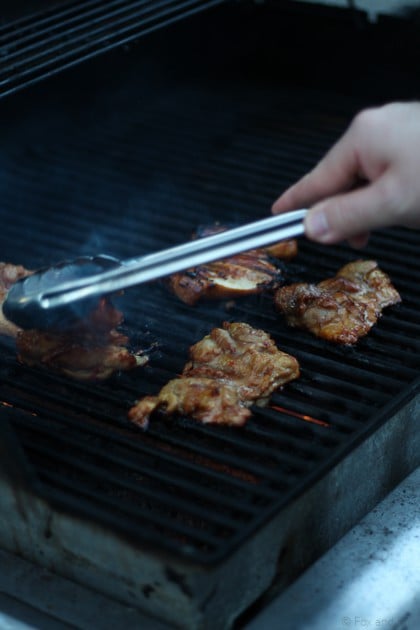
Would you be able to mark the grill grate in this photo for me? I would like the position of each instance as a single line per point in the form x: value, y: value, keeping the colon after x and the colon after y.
x: 46, y: 43
x: 99, y: 176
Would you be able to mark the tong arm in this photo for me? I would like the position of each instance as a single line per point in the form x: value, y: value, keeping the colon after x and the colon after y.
x: 153, y: 266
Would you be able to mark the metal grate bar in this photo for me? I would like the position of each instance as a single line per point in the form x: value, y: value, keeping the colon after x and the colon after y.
x: 62, y: 18
x: 77, y: 41
x: 37, y: 19
x: 188, y: 466
x: 117, y: 484
x: 85, y: 24
x: 154, y: 524
x: 158, y: 482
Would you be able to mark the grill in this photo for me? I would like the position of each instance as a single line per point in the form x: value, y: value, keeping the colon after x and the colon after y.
x: 125, y: 157
x: 42, y: 44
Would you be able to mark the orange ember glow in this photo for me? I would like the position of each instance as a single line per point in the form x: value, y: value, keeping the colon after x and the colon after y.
x: 7, y: 404
x: 301, y: 416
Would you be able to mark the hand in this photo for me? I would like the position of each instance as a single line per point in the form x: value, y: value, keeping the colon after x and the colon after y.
x: 381, y: 148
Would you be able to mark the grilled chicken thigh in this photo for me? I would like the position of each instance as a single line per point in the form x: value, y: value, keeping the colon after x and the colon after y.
x: 9, y: 274
x: 340, y: 309
x: 243, y: 274
x: 91, y: 350
x: 229, y: 369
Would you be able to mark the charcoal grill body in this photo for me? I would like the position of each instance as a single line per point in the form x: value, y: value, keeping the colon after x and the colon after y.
x: 193, y: 523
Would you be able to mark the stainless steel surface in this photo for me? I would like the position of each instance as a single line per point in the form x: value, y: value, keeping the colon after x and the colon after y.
x: 369, y: 579
x: 34, y: 296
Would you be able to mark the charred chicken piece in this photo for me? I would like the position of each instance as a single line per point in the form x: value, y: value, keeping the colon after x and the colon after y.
x: 229, y: 370
x: 341, y: 309
x: 243, y: 274
x: 91, y: 350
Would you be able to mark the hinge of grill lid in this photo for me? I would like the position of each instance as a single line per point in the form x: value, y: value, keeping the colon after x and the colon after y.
x: 46, y: 43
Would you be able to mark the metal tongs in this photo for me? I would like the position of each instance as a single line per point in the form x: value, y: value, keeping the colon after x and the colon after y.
x: 57, y: 295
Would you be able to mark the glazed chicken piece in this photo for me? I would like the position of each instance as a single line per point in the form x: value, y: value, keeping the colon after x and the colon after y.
x: 91, y: 350
x: 243, y: 274
x: 341, y: 309
x: 229, y: 370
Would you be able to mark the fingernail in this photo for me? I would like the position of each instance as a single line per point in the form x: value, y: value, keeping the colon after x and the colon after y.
x: 316, y: 224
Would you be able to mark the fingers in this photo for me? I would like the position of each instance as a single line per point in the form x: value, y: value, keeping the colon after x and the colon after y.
x: 354, y: 214
x: 381, y: 148
x: 336, y: 172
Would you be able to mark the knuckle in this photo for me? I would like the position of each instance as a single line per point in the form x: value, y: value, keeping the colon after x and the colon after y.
x: 367, y: 120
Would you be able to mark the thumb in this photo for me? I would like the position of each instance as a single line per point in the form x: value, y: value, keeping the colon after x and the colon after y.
x: 353, y: 213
